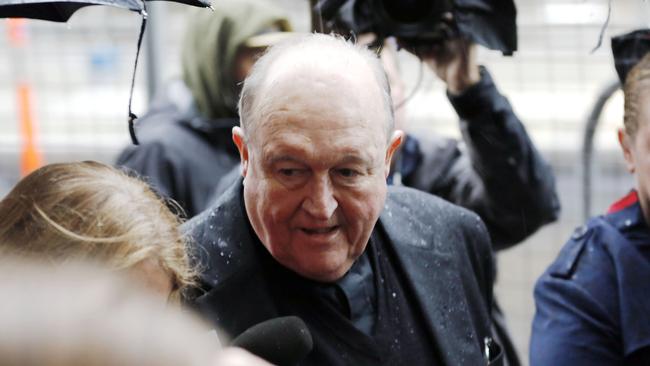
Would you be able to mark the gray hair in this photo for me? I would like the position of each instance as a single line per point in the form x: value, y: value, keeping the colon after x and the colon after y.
x: 249, y: 109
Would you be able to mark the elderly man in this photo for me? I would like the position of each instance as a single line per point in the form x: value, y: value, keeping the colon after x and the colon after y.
x: 381, y: 276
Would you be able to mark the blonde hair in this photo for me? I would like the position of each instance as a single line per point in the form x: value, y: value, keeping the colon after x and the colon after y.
x: 635, y: 84
x: 79, y: 315
x: 91, y: 211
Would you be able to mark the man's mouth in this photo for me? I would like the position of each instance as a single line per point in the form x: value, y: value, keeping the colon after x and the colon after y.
x: 323, y: 230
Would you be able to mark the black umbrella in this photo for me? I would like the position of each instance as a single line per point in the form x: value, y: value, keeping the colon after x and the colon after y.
x: 57, y: 11
x: 62, y: 10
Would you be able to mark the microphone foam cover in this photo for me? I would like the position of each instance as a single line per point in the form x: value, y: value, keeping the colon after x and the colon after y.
x: 281, y: 341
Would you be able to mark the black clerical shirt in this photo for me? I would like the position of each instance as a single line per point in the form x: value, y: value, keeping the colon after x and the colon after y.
x: 355, y: 295
x: 368, y: 317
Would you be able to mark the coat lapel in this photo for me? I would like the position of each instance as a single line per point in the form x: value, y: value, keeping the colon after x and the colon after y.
x: 237, y: 294
x: 431, y: 266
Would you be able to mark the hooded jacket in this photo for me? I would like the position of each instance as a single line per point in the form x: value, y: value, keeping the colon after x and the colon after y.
x: 185, y: 137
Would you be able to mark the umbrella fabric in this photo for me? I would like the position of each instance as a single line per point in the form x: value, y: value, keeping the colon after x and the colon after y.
x: 58, y: 11
x: 62, y: 10
x: 198, y: 3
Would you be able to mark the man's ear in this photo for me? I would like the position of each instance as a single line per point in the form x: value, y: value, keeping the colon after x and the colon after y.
x: 393, y: 144
x: 240, y: 142
x: 627, y: 143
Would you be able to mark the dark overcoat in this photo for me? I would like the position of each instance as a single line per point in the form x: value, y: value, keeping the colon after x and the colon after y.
x: 443, y: 251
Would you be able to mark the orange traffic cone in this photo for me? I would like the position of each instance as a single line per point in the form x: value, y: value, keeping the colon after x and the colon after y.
x: 30, y: 156
x: 16, y: 31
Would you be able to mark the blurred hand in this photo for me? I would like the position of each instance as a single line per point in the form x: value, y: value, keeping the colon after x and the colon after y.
x: 234, y: 356
x: 454, y: 61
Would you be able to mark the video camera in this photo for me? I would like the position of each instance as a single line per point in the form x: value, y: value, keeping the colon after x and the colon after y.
x: 417, y: 23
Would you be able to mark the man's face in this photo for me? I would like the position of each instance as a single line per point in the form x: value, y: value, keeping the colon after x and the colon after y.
x: 636, y: 150
x: 315, y: 169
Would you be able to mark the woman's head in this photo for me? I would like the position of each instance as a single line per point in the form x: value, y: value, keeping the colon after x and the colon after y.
x: 636, y: 88
x: 635, y: 136
x: 91, y: 211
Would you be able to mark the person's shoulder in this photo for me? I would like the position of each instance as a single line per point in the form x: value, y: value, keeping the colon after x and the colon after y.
x: 592, y: 288
x: 628, y: 219
x: 433, y: 148
x: 584, y: 270
x: 602, y: 242
x: 160, y: 125
x: 410, y: 197
x: 215, y: 219
x: 158, y: 139
x: 430, y: 219
x: 167, y: 137
x: 427, y: 227
x: 601, y: 255
x: 219, y: 239
x: 170, y: 107
x: 583, y: 295
x: 585, y: 249
x: 166, y: 119
x: 420, y: 205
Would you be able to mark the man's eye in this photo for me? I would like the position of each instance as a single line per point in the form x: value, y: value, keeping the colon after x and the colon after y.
x: 289, y: 172
x: 348, y: 173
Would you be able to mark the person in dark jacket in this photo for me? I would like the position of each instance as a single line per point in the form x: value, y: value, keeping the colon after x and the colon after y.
x: 185, y: 138
x: 495, y: 170
x: 592, y: 302
x: 381, y: 276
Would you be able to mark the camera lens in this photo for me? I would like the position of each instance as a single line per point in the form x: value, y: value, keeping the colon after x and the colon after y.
x: 408, y: 11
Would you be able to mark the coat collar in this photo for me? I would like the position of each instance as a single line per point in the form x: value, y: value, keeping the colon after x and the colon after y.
x: 226, y: 251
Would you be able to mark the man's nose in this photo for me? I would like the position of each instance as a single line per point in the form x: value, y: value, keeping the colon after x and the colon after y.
x: 320, y: 202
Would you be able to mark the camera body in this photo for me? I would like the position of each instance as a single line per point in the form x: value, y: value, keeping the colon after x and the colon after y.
x: 491, y: 23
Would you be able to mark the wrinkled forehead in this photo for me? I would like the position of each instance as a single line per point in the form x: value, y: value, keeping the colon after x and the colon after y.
x: 328, y: 83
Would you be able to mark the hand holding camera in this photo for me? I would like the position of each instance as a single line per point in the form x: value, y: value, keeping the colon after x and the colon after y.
x: 454, y: 61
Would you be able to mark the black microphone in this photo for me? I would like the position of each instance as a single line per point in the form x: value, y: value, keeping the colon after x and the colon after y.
x: 282, y: 341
